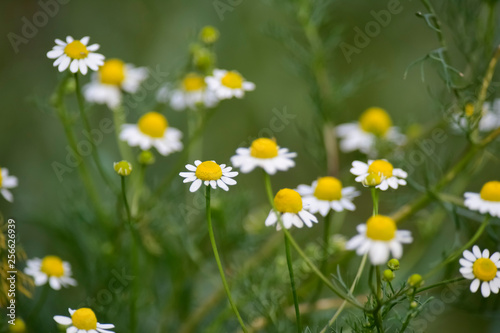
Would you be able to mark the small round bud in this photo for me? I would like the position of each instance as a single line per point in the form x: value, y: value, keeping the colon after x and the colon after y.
x: 413, y: 305
x: 393, y: 264
x: 123, y: 168
x: 388, y: 275
x: 209, y: 34
x: 146, y: 157
x: 415, y: 280
x: 203, y: 59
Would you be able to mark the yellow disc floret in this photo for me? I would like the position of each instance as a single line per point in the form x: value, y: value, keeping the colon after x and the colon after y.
x: 193, y: 82
x: 376, y: 121
x: 381, y: 168
x: 76, y: 50
x: 84, y: 319
x: 328, y: 188
x: 153, y: 124
x: 264, y: 148
x: 232, y: 80
x: 491, y: 191
x: 484, y: 269
x: 381, y: 228
x: 112, y: 72
x: 52, y: 266
x: 208, y: 170
x: 288, y: 201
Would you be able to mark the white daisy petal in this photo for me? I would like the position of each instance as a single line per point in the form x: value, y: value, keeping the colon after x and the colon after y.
x: 195, y: 185
x: 485, y: 289
x: 474, y: 286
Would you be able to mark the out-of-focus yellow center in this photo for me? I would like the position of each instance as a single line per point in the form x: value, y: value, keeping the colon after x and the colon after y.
x: 193, y: 82
x: 264, y: 148
x: 376, y: 121
x: 76, y: 50
x: 1, y: 177
x: 232, y: 80
x: 469, y: 109
x: 484, y: 269
x: 328, y: 188
x: 372, y: 179
x: 381, y: 228
x: 208, y: 170
x: 84, y: 319
x: 491, y: 191
x: 381, y: 168
x: 112, y: 72
x: 153, y: 124
x: 288, y: 201
x: 52, y: 266
x: 18, y: 327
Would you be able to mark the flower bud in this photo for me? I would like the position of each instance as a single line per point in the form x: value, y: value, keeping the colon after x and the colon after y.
x: 415, y: 280
x: 413, y: 305
x: 209, y: 34
x: 393, y: 264
x: 146, y: 157
x: 388, y: 275
x: 123, y: 168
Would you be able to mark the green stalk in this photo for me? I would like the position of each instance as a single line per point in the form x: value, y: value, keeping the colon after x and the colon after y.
x: 292, y: 281
x: 119, y: 121
x: 41, y: 301
x: 375, y: 193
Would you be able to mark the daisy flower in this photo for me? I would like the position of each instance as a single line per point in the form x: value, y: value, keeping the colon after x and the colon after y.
x: 374, y: 123
x: 113, y: 78
x: 51, y: 269
x: 7, y: 182
x: 76, y: 55
x: 489, y: 121
x: 378, y: 173
x: 83, y: 320
x: 379, y: 237
x: 209, y: 173
x: 327, y: 193
x: 482, y: 269
x: 227, y: 84
x: 152, y: 130
x: 264, y: 153
x: 487, y: 201
x: 289, y: 209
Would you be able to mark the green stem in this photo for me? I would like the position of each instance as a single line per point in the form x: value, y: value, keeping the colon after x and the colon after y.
x: 375, y: 193
x: 379, y: 282
x: 440, y: 284
x: 292, y: 282
x: 119, y: 121
x: 125, y: 202
x: 217, y: 259
x: 41, y: 301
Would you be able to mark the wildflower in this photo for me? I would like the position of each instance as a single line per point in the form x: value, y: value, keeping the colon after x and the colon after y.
x: 264, y: 153
x: 123, y: 168
x: 191, y: 93
x: 327, y: 193
x: 83, y: 320
x: 288, y: 204
x: 7, y: 182
x: 482, y: 269
x: 378, y: 173
x: 486, y: 201
x: 111, y: 80
x: 152, y: 130
x: 374, y: 123
x: 76, y: 55
x: 490, y: 118
x: 51, y: 269
x: 209, y: 173
x: 228, y: 84
x: 379, y: 237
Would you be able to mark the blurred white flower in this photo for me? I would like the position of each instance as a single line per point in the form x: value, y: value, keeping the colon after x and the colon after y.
x: 378, y: 173
x: 7, y: 182
x: 83, y: 320
x: 487, y: 201
x: 227, y: 84
x: 50, y: 269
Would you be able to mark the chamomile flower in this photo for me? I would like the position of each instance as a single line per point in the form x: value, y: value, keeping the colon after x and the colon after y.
x: 486, y: 201
x: 289, y: 209
x: 482, y: 269
x: 378, y: 173
x: 489, y: 121
x: 76, y: 55
x: 327, y: 193
x: 112, y: 78
x: 51, y: 269
x: 379, y: 237
x: 227, y: 84
x: 152, y: 130
x: 374, y: 123
x: 264, y: 153
x: 83, y: 320
x: 210, y: 174
x: 7, y: 182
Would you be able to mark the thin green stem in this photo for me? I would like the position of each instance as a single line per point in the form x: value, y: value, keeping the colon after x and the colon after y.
x: 375, y: 193
x: 119, y: 121
x: 379, y: 282
x: 217, y: 259
x: 41, y: 301
x: 440, y: 284
x: 292, y: 282
x: 125, y: 202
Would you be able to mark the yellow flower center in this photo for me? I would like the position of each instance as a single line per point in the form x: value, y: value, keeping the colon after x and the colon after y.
x: 76, y: 50
x: 112, y: 72
x: 469, y: 109
x: 376, y: 121
x: 208, y: 170
x: 84, y: 319
x: 328, y: 188
x: 232, y: 80
x: 193, y: 82
x: 484, y: 269
x: 288, y: 201
x: 52, y: 266
x: 381, y: 228
x: 491, y: 191
x: 380, y: 168
x: 153, y: 124
x: 372, y: 179
x: 264, y: 148
x: 1, y: 177
x: 18, y: 327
